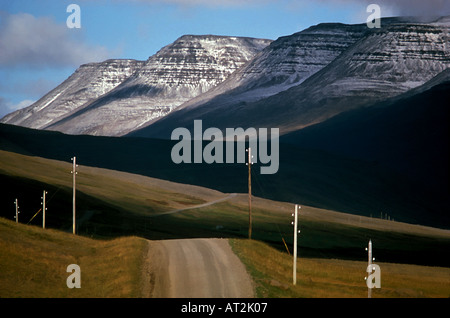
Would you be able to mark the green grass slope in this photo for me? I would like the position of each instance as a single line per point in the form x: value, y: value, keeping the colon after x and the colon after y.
x: 112, y: 204
x: 312, y: 177
x: 33, y: 263
x: 322, y: 278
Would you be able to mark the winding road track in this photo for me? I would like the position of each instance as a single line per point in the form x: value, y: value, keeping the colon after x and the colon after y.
x: 231, y: 195
x: 195, y: 268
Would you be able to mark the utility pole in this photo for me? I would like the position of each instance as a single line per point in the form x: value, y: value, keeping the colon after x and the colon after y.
x: 17, y: 211
x: 249, y: 150
x: 295, y: 223
x: 373, y: 271
x: 369, y: 253
x: 43, y: 208
x: 74, y: 173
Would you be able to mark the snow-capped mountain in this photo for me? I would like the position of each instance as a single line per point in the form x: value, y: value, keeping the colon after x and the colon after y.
x: 86, y: 84
x: 383, y: 63
x: 286, y: 62
x: 180, y: 71
x: 290, y: 83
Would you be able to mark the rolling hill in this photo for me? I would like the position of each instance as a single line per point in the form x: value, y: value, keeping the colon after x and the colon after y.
x: 408, y: 133
x: 311, y: 177
x: 114, y: 204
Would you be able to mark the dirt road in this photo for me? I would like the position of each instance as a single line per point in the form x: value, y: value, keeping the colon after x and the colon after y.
x: 195, y: 268
x: 231, y: 195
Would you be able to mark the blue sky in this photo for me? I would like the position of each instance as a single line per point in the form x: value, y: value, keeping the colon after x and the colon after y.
x: 38, y: 51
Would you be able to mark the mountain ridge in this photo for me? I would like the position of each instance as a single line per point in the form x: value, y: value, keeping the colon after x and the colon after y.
x: 381, y: 64
x: 292, y: 82
x: 183, y: 69
x: 88, y: 82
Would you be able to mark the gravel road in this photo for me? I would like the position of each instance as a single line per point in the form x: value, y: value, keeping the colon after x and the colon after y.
x: 195, y: 268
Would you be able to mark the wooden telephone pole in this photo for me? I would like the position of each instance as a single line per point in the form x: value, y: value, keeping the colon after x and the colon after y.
x: 43, y: 208
x: 249, y: 150
x: 74, y: 173
x: 369, y: 254
x: 16, y: 203
x: 295, y: 223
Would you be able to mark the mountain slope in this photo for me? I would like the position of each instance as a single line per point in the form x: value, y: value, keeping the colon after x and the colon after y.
x: 382, y: 64
x: 182, y: 70
x: 86, y: 84
x: 311, y: 177
x: 34, y: 263
x: 284, y: 63
x: 408, y: 133
x: 117, y: 96
x: 106, y: 209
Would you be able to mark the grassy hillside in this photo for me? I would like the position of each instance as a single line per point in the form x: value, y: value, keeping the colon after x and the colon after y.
x: 33, y: 263
x: 324, y: 234
x: 408, y: 133
x: 109, y: 203
x: 272, y: 273
x: 312, y: 177
x: 112, y: 204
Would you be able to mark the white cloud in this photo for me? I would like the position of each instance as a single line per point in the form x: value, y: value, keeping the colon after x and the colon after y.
x: 211, y: 3
x: 29, y: 41
x: 7, y: 107
x: 21, y: 104
x: 398, y: 7
x: 403, y: 7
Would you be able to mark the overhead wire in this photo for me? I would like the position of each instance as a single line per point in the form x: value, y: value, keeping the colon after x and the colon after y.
x: 263, y: 192
x: 46, y: 202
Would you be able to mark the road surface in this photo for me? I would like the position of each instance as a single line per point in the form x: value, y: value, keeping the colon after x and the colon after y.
x: 195, y: 268
x: 231, y: 195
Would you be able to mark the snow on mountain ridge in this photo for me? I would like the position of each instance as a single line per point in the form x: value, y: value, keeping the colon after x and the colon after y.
x: 87, y: 83
x: 178, y: 72
x: 285, y: 63
x: 381, y: 64
x: 326, y: 65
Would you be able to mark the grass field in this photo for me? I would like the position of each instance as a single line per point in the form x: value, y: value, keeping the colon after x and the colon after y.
x: 112, y: 204
x: 33, y: 263
x: 324, y: 234
x: 142, y: 195
x: 117, y: 211
x: 321, y: 278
